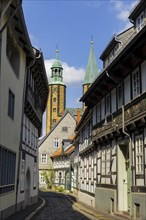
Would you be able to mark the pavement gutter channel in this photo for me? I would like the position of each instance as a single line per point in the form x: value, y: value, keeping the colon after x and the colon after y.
x: 29, y: 217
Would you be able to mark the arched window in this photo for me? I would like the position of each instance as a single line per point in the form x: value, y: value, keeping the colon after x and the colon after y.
x: 54, y: 121
x: 54, y: 109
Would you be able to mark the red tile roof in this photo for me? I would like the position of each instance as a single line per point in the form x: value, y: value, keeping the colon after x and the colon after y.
x: 68, y: 151
x: 57, y: 153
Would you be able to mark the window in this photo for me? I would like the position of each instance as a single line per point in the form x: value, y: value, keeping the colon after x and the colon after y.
x: 98, y: 113
x: 7, y: 170
x: 139, y: 154
x: 54, y: 99
x: 120, y: 95
x: 44, y: 158
x: 54, y: 109
x: 94, y: 115
x: 54, y: 121
x: 136, y: 83
x: 13, y: 54
x: 111, y: 55
x: 11, y: 104
x: 116, y: 48
x: 107, y: 104
x: 106, y: 161
x: 56, y: 142
x: 42, y: 179
x: 64, y: 129
x: 140, y: 22
x: 106, y: 62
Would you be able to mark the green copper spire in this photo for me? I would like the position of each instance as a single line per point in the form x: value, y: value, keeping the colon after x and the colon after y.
x: 57, y: 71
x: 92, y: 69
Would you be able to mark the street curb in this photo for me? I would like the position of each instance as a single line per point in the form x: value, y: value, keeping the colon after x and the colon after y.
x: 77, y: 205
x: 88, y: 211
x: 36, y: 210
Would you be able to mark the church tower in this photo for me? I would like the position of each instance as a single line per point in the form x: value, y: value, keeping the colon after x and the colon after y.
x: 57, y: 95
x: 91, y: 71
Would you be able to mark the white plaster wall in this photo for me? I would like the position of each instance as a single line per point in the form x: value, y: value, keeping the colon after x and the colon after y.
x: 139, y: 198
x: 85, y: 198
x: 103, y: 198
x: 10, y: 129
x: 29, y: 164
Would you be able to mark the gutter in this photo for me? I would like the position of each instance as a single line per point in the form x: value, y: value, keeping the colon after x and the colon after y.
x: 111, y: 77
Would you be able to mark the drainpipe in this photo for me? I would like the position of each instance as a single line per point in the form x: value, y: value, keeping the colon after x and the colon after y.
x: 130, y: 155
x: 111, y: 77
x: 21, y: 133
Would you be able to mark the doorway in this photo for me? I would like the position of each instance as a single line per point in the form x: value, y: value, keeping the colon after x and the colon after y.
x: 123, y: 178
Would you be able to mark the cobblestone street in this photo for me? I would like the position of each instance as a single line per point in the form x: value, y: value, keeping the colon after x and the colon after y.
x: 60, y: 208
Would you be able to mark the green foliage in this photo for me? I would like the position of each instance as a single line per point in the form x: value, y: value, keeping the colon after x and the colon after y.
x: 49, y: 176
x: 61, y: 189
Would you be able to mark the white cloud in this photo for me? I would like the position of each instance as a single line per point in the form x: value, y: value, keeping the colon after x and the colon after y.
x: 122, y: 9
x: 71, y: 74
x: 93, y: 4
x: 77, y: 101
x: 34, y: 41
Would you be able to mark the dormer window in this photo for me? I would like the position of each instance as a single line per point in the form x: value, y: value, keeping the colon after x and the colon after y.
x: 116, y: 48
x: 111, y: 55
x: 140, y: 22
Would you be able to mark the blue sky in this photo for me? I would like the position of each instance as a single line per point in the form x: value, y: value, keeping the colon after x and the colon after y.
x: 70, y: 25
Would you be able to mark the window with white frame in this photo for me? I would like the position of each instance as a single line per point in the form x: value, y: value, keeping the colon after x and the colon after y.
x: 107, y: 103
x: 42, y: 179
x: 105, y: 161
x: 135, y: 83
x: 111, y: 55
x: 140, y: 22
x: 44, y: 158
x: 106, y: 62
x: 116, y: 48
x: 139, y: 154
x: 56, y: 142
x: 120, y: 95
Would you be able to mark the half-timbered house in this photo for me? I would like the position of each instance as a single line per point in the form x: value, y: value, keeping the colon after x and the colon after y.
x: 117, y: 99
